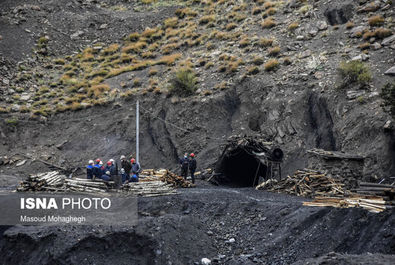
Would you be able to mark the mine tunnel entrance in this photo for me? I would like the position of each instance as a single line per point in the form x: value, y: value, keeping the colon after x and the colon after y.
x: 245, y: 161
x: 243, y: 169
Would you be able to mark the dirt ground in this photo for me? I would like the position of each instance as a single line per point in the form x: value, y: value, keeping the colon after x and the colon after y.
x: 225, y: 225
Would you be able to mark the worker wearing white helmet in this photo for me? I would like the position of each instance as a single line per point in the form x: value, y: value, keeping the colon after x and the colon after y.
x: 89, y: 169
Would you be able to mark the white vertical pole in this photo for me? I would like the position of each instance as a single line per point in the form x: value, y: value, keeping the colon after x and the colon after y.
x: 137, y: 131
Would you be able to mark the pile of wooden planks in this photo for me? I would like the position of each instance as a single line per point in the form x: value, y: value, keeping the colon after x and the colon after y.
x: 165, y: 176
x: 375, y: 204
x: 306, y: 183
x: 49, y: 181
x: 149, y: 188
x: 368, y: 188
x: 175, y: 180
x: 151, y: 183
x: 87, y: 185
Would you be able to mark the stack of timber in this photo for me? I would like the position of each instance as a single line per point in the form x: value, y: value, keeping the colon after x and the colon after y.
x: 306, y: 183
x: 165, y: 176
x: 175, y: 180
x: 375, y: 204
x: 368, y: 188
x: 87, y: 185
x: 149, y: 188
x: 49, y: 181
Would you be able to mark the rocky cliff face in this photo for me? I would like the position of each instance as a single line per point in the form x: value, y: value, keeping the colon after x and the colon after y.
x: 228, y: 44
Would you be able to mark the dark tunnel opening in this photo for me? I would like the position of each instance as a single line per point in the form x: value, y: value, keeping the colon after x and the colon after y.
x: 242, y: 169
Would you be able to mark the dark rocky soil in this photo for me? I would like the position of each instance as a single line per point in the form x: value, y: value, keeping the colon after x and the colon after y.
x: 228, y: 226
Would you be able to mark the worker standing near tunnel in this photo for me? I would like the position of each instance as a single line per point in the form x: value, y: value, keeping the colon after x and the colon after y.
x: 192, y: 166
x: 184, y: 166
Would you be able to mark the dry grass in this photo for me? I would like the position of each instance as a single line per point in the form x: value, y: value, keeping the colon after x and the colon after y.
x: 167, y: 49
x: 169, y: 59
x: 350, y: 25
x: 271, y: 65
x: 256, y: 10
x: 98, y: 90
x: 244, y: 42
x: 265, y: 42
x: 376, y: 21
x: 293, y: 26
x: 364, y: 46
x: 257, y: 60
x: 268, y: 23
x: 153, y: 71
x: 231, y: 26
x: 134, y: 36
x: 135, y: 47
x: 171, y: 22
x: 252, y: 70
x: 113, y: 48
x: 207, y: 19
x: 274, y: 51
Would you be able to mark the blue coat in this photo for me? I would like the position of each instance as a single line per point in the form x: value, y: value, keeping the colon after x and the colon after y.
x: 89, y: 171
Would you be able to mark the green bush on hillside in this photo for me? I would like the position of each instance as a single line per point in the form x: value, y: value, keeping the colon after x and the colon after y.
x: 354, y: 73
x: 183, y: 83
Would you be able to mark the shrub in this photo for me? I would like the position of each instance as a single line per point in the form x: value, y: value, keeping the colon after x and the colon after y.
x: 256, y: 10
x: 268, y: 23
x: 207, y: 19
x: 350, y: 25
x: 134, y: 36
x: 231, y: 26
x: 376, y: 21
x: 152, y: 71
x: 257, y: 60
x: 113, y: 48
x: 388, y: 94
x: 169, y: 59
x: 171, y: 22
x: 354, y: 72
x: 293, y: 26
x: 271, y: 65
x: 274, y: 51
x: 244, y: 42
x: 183, y: 83
x: 264, y: 42
x: 382, y: 33
x: 253, y: 70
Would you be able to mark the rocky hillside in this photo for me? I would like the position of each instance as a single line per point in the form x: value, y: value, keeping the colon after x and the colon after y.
x: 305, y: 74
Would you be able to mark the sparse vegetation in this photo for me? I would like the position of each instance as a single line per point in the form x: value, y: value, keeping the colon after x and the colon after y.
x: 354, y: 72
x: 252, y: 70
x: 376, y: 21
x: 271, y: 65
x: 268, y: 23
x: 183, y: 82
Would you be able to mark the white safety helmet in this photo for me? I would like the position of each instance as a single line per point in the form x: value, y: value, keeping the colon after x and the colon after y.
x: 122, y: 157
x: 108, y: 173
x: 112, y: 160
x: 91, y: 162
x: 122, y: 171
x: 101, y: 163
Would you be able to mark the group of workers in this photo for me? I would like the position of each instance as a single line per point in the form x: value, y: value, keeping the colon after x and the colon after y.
x: 188, y: 163
x: 129, y: 170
